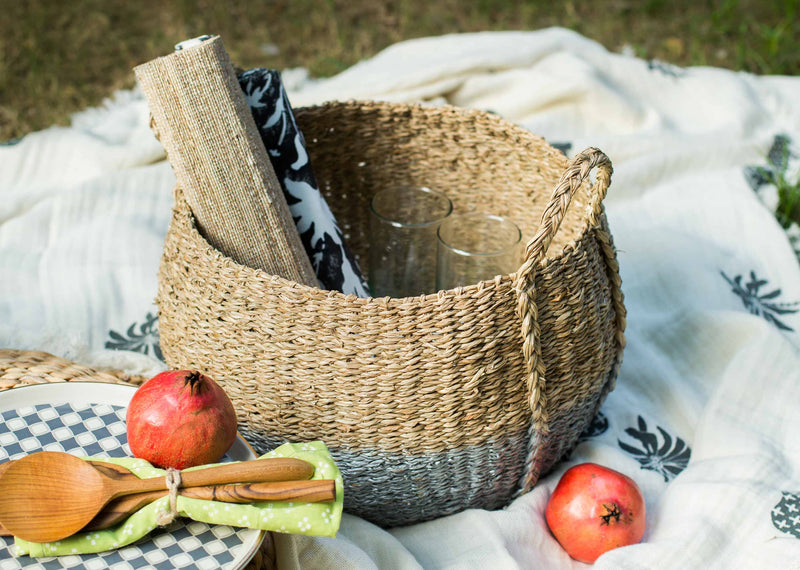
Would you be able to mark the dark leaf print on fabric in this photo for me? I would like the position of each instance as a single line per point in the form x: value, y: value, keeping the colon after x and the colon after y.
x: 758, y: 176
x: 786, y: 514
x: 564, y: 147
x: 777, y: 162
x: 597, y: 427
x: 666, y: 68
x: 668, y: 456
x: 145, y: 340
x: 780, y: 152
x: 762, y: 304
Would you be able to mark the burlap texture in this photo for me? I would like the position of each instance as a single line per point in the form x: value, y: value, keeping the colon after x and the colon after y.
x: 202, y: 119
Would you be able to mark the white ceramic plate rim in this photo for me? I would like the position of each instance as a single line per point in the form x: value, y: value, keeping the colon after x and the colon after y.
x: 117, y: 395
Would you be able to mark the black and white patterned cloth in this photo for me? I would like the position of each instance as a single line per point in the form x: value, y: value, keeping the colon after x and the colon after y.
x: 333, y: 263
x: 99, y: 430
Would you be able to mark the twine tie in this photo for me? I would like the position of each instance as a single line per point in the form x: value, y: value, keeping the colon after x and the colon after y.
x: 173, y: 478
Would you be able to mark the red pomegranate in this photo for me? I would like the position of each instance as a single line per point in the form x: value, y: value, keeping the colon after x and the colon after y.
x: 180, y: 419
x: 594, y: 509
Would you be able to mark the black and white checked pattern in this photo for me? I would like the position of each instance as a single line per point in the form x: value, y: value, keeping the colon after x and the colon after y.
x: 99, y: 430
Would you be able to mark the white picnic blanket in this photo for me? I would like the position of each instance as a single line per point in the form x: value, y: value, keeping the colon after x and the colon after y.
x: 706, y: 413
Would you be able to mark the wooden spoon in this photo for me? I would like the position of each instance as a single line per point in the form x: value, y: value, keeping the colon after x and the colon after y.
x: 50, y: 495
x: 315, y: 491
x: 117, y: 510
x: 110, y: 469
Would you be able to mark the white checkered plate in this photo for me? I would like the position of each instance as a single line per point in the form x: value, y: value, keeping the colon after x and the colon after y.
x: 88, y: 418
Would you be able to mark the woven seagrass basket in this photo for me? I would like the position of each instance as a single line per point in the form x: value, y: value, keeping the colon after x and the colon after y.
x: 430, y: 404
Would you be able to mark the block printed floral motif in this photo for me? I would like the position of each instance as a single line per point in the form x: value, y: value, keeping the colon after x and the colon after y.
x: 138, y: 338
x: 763, y: 304
x: 666, y: 455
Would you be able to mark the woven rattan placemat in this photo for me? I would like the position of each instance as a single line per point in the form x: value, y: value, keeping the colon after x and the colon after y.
x: 25, y: 367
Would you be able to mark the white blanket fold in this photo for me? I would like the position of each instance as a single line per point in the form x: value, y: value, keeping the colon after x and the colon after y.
x: 705, y: 415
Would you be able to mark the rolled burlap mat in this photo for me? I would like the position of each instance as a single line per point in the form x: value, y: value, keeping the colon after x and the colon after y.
x: 205, y: 125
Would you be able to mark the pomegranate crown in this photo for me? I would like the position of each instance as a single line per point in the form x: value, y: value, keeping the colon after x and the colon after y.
x: 194, y: 380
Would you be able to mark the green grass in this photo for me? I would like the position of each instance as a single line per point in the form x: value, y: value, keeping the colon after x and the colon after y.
x: 788, y: 202
x: 59, y: 57
x: 788, y: 210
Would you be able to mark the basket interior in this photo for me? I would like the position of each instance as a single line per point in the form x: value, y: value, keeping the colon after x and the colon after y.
x: 483, y: 163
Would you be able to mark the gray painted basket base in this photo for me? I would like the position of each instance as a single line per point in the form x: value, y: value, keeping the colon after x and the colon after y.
x: 392, y: 489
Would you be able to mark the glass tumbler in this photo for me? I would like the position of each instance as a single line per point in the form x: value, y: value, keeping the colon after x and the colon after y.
x: 402, y: 247
x: 476, y: 247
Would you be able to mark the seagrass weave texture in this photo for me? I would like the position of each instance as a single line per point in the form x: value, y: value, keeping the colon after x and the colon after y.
x: 201, y: 117
x: 24, y: 367
x: 429, y: 404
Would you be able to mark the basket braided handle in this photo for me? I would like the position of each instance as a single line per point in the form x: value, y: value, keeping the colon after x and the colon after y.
x: 576, y: 172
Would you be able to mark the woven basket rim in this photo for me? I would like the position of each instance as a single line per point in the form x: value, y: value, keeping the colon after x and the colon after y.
x: 553, y: 254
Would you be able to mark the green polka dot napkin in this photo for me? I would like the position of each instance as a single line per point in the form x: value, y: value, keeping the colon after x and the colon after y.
x: 316, y: 519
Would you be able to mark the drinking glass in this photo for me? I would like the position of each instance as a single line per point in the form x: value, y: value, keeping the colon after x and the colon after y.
x: 402, y: 247
x: 476, y: 247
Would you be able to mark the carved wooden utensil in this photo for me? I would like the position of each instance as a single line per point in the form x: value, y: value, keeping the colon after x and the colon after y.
x: 51, y: 495
x: 110, y: 469
x: 117, y: 510
x: 315, y: 491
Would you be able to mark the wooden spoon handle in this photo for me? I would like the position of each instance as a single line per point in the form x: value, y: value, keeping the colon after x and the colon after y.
x: 253, y: 471
x: 120, y: 509
x: 317, y: 491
